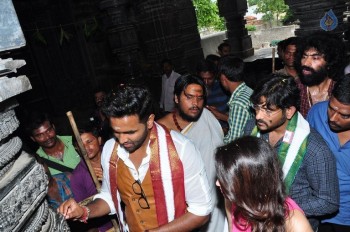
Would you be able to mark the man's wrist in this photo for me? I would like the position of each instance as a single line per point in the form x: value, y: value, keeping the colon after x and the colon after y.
x: 86, y: 213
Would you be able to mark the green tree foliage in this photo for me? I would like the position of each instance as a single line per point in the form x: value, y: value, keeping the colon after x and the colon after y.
x: 272, y: 9
x: 208, y: 15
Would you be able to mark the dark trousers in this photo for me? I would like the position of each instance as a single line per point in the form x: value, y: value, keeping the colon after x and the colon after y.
x: 330, y: 227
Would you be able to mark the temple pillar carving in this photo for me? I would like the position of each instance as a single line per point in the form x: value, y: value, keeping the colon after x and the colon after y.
x: 237, y: 34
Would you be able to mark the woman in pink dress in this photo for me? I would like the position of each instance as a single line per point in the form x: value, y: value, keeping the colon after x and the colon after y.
x: 251, y: 180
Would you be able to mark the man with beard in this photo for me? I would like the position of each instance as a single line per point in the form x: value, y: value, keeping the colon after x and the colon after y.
x: 309, y: 167
x: 231, y: 74
x: 192, y: 119
x: 319, y: 62
x: 332, y: 120
x: 149, y: 179
x: 289, y: 48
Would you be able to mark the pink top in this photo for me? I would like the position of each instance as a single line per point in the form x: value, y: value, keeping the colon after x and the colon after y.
x: 236, y: 228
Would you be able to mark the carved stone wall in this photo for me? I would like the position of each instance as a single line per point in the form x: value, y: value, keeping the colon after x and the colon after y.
x: 23, y: 182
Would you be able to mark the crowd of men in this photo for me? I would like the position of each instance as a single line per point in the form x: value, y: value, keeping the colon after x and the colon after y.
x: 159, y: 175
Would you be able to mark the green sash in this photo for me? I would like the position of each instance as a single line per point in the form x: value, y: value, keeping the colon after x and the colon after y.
x: 293, y: 147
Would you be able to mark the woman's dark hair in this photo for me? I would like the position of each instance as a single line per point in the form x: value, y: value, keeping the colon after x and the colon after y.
x: 251, y: 177
x: 128, y: 100
x: 279, y: 90
x: 341, y: 90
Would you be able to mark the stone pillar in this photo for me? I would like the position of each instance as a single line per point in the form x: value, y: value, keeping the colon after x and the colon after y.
x: 237, y: 34
x: 23, y: 182
x: 120, y: 23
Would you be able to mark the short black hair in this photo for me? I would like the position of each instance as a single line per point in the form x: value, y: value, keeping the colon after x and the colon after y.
x: 36, y: 119
x: 166, y: 61
x: 205, y: 66
x: 289, y: 41
x: 127, y: 100
x: 279, y: 90
x: 341, y: 90
x: 232, y: 67
x: 213, y: 58
x: 222, y: 45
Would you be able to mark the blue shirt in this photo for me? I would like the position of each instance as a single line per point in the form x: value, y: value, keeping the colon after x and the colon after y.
x: 318, y: 118
x: 218, y: 98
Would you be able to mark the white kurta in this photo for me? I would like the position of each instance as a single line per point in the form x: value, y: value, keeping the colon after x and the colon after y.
x: 167, y: 97
x: 207, y: 135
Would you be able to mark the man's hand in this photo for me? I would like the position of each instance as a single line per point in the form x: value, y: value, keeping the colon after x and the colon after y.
x: 70, y: 209
x: 98, y: 173
x: 218, y: 115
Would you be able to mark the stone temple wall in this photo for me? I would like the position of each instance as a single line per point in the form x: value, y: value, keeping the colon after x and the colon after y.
x: 23, y: 182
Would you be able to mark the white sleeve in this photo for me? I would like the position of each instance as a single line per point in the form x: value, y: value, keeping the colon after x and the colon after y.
x: 197, y: 190
x: 105, y: 193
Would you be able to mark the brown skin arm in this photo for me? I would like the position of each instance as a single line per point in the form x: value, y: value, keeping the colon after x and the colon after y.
x: 70, y: 209
x: 297, y: 222
x: 218, y: 115
x: 186, y: 222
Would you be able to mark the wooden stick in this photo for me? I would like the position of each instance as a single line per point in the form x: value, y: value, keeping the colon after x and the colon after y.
x: 273, y: 59
x: 83, y: 150
x: 87, y: 161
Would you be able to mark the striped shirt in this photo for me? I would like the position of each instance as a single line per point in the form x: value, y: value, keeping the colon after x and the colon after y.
x: 239, y: 112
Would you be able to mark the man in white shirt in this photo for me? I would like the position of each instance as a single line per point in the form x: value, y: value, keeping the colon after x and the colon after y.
x: 149, y: 179
x: 192, y: 119
x: 169, y: 78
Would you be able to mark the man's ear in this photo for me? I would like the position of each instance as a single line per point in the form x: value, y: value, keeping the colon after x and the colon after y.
x: 223, y: 78
x: 150, y: 121
x: 176, y: 99
x: 99, y: 139
x: 290, y: 112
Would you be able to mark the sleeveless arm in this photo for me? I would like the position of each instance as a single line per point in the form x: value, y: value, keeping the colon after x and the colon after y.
x: 297, y: 222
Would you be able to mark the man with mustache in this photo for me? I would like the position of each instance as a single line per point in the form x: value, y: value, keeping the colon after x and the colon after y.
x: 289, y: 48
x: 57, y: 153
x: 153, y: 179
x: 309, y: 167
x: 231, y: 74
x: 319, y: 62
x: 332, y: 120
x: 192, y: 119
x: 217, y: 98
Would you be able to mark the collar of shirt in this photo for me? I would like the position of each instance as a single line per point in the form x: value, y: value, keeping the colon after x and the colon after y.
x: 236, y: 92
x: 142, y: 170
